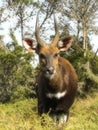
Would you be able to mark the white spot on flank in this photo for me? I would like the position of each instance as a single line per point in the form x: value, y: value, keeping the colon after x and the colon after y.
x: 56, y: 95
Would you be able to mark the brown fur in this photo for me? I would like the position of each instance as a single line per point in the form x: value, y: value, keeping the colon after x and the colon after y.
x: 56, y: 75
x: 65, y: 78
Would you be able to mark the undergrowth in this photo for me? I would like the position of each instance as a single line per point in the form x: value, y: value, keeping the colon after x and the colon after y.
x: 22, y: 115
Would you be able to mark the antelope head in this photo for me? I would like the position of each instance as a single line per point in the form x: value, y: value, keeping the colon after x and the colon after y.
x: 48, y: 53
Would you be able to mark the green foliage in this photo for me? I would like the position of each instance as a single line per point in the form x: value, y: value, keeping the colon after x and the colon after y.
x: 16, y: 73
x: 87, y: 74
x: 94, y: 64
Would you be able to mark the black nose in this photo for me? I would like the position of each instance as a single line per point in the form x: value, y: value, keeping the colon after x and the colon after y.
x: 50, y: 70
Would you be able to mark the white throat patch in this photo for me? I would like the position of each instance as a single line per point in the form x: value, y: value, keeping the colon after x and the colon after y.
x: 56, y: 95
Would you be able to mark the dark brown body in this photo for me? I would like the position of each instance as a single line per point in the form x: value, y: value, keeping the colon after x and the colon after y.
x: 65, y: 79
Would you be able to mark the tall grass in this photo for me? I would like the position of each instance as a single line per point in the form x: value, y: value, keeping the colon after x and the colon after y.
x: 22, y: 115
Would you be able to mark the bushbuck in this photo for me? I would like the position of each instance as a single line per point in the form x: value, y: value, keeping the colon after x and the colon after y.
x: 57, y: 80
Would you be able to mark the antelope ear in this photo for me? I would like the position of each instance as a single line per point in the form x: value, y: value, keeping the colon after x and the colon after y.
x: 65, y: 43
x: 29, y: 44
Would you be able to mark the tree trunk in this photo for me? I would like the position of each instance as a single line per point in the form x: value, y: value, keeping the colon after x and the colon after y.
x: 78, y: 29
x: 84, y: 39
x: 21, y: 22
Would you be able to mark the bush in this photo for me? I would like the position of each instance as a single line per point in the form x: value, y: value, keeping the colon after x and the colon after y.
x: 87, y: 78
x: 16, y: 73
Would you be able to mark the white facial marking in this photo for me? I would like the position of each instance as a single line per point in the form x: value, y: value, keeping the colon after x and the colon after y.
x: 56, y: 95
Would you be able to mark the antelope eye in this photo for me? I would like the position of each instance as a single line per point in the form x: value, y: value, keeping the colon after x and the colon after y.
x: 42, y: 56
x: 56, y: 54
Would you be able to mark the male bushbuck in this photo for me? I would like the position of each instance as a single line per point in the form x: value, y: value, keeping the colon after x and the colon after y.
x: 57, y: 80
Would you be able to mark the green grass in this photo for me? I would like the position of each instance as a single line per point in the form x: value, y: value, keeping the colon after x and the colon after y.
x: 22, y: 115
